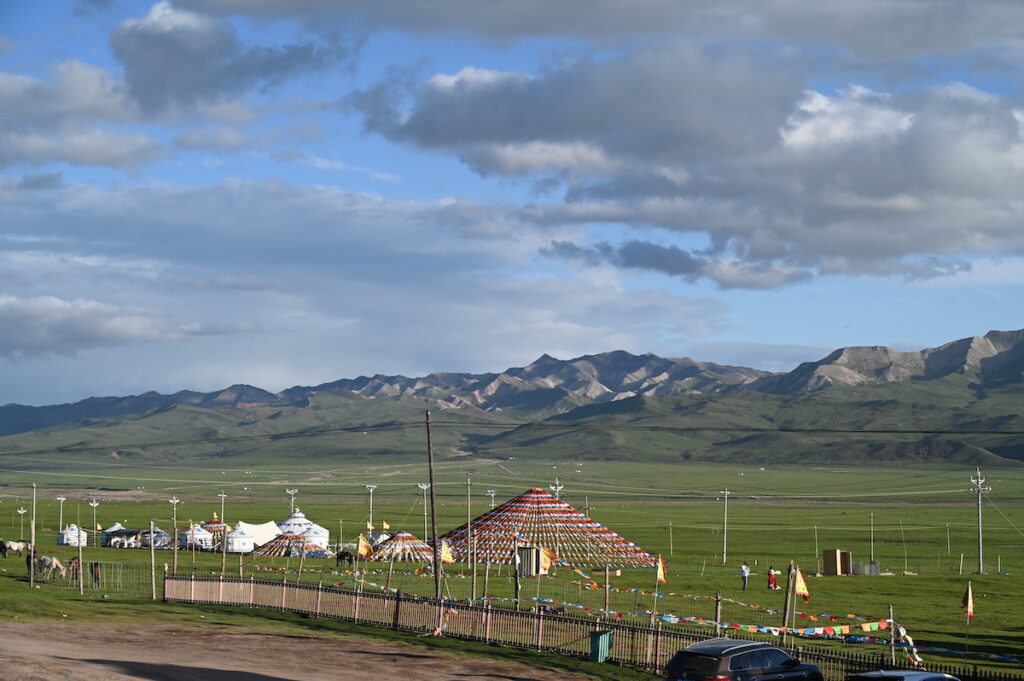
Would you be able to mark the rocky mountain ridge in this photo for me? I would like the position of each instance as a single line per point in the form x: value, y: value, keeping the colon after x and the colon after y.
x: 549, y: 386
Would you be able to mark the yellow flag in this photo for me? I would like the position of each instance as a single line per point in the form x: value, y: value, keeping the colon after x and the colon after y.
x: 661, y: 570
x: 800, y: 586
x: 384, y: 525
x: 968, y: 602
x: 369, y: 525
x: 364, y: 548
x: 545, y: 559
x: 446, y: 553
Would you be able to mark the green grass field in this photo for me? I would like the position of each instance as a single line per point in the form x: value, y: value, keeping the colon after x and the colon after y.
x: 923, y: 519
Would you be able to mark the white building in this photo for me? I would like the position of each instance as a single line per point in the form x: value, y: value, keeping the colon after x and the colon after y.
x: 195, y: 536
x: 240, y: 541
x: 72, y: 535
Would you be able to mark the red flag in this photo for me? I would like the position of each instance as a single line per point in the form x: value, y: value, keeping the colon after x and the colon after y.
x: 968, y: 602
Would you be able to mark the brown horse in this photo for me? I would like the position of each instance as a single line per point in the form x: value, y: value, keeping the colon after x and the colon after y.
x: 344, y: 557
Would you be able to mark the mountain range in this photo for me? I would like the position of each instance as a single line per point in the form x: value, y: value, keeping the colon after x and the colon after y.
x: 973, y: 383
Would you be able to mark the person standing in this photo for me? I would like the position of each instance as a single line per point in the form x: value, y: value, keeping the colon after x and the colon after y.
x: 773, y: 583
x: 744, y: 574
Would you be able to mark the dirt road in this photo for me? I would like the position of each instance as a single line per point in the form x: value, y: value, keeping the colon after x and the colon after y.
x: 75, y: 652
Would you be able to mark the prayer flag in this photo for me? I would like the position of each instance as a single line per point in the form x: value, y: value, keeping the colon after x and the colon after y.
x: 364, y: 549
x: 384, y: 525
x: 446, y: 553
x: 968, y: 602
x: 661, y: 570
x: 800, y: 586
x: 545, y: 560
x: 369, y: 525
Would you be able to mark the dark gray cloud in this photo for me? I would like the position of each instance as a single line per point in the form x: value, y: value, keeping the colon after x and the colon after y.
x: 871, y: 30
x: 176, y: 58
x: 41, y: 181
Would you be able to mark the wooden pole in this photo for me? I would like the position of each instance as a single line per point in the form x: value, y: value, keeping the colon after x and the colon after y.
x: 718, y: 612
x: 607, y: 588
x: 789, y: 591
x: 32, y: 541
x: 892, y: 638
x: 391, y: 566
x: 433, y: 525
x: 152, y: 556
x: 81, y: 562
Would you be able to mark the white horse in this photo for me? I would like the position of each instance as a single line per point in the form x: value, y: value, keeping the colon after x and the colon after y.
x: 19, y: 546
x: 46, y: 565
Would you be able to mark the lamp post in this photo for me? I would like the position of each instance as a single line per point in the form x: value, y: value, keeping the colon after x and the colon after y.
x: 291, y: 493
x: 60, y: 522
x: 491, y: 494
x: 174, y: 501
x: 223, y: 535
x: 424, y: 486
x: 21, y: 512
x: 725, y: 527
x: 978, y: 482
x: 370, y: 488
x: 556, y: 488
x: 222, y: 498
x: 94, y: 504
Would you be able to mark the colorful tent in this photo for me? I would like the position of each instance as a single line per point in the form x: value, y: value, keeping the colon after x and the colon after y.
x: 404, y: 546
x: 536, y: 518
x: 217, y: 528
x: 291, y: 545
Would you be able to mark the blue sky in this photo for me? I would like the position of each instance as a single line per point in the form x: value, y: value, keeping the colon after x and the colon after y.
x: 195, y: 193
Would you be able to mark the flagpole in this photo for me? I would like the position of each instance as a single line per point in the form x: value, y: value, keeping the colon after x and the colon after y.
x: 654, y: 595
x: 968, y: 605
x: 789, y: 593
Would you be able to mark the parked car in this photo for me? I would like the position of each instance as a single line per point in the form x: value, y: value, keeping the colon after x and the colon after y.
x: 900, y: 675
x: 727, y: 659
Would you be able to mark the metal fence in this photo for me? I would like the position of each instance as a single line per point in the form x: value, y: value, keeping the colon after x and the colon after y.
x: 642, y: 646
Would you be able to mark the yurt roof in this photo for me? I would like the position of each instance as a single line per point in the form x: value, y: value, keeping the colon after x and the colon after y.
x: 403, y: 546
x: 290, y: 544
x: 295, y: 523
x: 536, y: 518
x: 113, y: 528
x: 197, y: 530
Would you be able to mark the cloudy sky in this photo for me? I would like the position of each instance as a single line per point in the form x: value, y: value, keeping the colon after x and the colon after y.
x: 195, y: 193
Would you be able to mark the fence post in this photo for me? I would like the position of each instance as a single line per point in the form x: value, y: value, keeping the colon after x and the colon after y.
x: 220, y: 589
x: 540, y: 625
x: 284, y: 591
x: 355, y: 607
x: 319, y: 593
x: 192, y: 588
x: 398, y: 605
x: 487, y: 622
x: 252, y: 589
x: 657, y: 647
x: 718, y: 612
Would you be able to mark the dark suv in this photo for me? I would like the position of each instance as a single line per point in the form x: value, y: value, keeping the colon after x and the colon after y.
x: 726, y: 659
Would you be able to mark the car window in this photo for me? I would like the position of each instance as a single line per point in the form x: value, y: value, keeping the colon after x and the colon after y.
x: 751, y: 660
x: 775, y: 659
x: 690, y: 665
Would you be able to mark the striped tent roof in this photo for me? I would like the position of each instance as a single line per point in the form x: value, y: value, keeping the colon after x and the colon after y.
x: 536, y: 518
x: 216, y: 527
x: 404, y: 546
x: 291, y: 545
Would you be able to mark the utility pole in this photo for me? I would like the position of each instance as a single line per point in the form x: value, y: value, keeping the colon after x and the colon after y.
x: 370, y: 489
x: 174, y: 501
x: 32, y: 539
x: 424, y: 486
x: 433, y: 521
x: 21, y: 514
x: 725, y: 527
x: 224, y: 537
x: 873, y: 537
x: 491, y: 493
x: 94, y: 504
x: 978, y: 482
x: 670, y: 549
x: 556, y: 488
x: 291, y: 493
x: 60, y: 523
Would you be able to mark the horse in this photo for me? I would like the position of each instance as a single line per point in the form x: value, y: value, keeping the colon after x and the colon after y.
x: 3, y: 548
x: 19, y: 546
x: 46, y: 565
x: 344, y: 557
x: 74, y: 567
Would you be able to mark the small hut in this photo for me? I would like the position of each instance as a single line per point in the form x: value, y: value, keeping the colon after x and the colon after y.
x: 195, y: 537
x: 72, y: 535
x: 403, y: 546
x: 240, y: 541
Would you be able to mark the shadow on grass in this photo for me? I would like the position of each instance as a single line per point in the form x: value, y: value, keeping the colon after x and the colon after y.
x: 170, y: 672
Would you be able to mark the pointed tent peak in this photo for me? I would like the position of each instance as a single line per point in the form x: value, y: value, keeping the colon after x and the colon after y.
x: 297, y: 513
x: 214, y: 516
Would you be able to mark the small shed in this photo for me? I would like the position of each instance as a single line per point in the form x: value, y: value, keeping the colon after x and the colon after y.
x: 72, y: 535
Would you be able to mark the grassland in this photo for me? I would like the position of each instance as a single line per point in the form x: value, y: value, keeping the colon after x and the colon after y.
x: 921, y: 519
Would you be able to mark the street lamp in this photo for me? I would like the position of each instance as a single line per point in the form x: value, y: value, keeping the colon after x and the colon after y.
x: 424, y: 486
x: 60, y: 522
x: 222, y: 498
x: 725, y: 526
x: 291, y: 493
x: 94, y: 504
x: 371, y: 488
x: 556, y: 488
x: 174, y: 501
x: 491, y: 493
x: 21, y: 512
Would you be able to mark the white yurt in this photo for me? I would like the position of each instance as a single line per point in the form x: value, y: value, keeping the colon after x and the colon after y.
x: 318, y: 535
x: 262, y: 533
x: 72, y: 535
x: 195, y: 536
x: 116, y: 527
x: 296, y: 523
x: 240, y: 541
